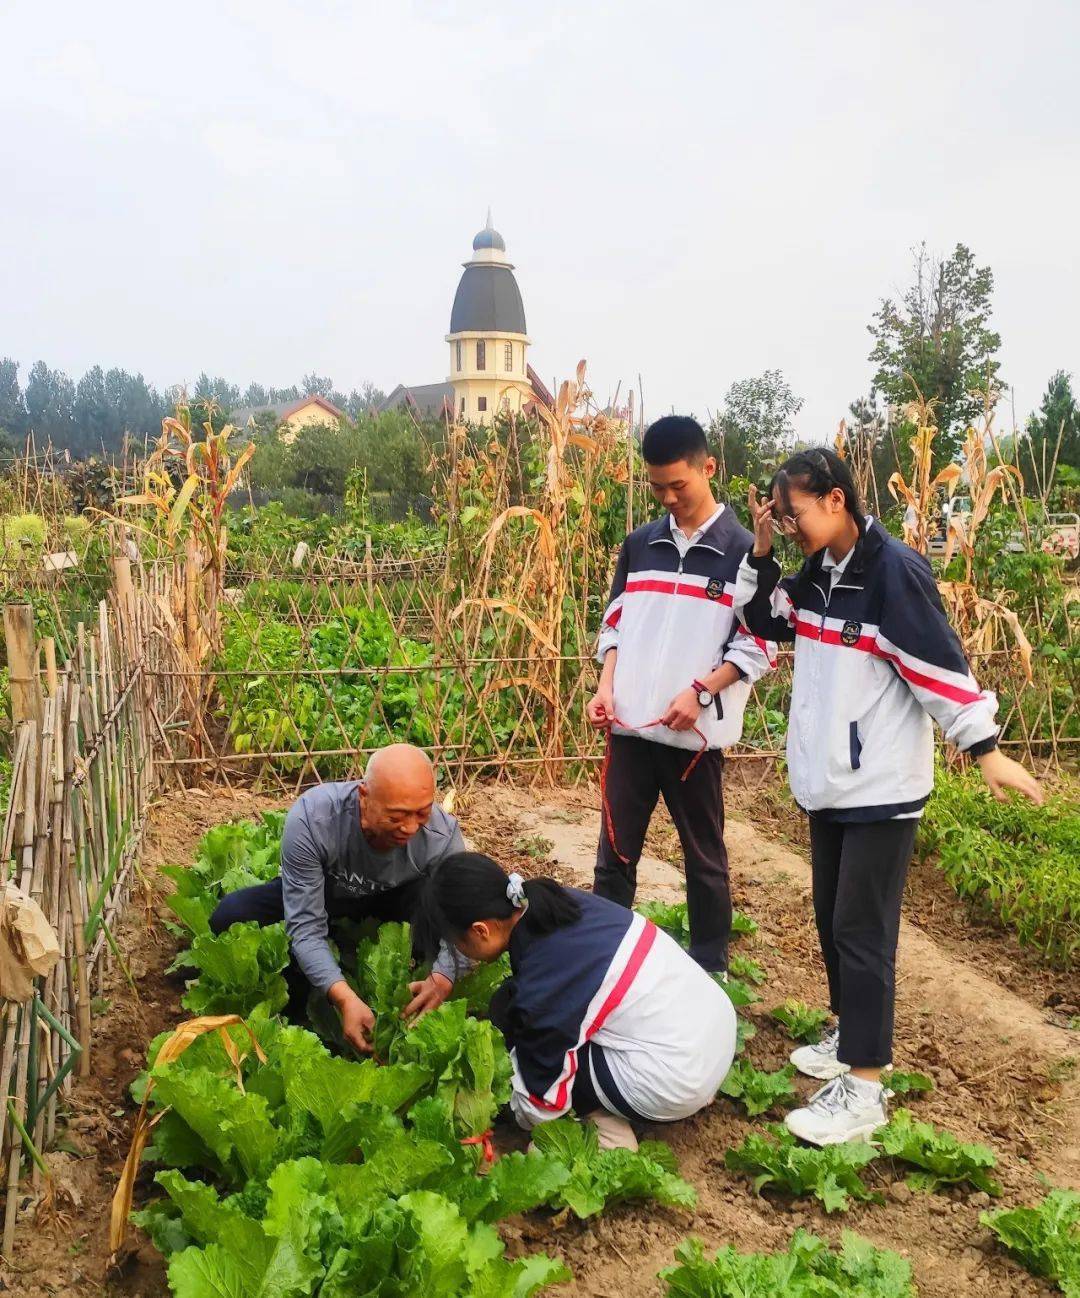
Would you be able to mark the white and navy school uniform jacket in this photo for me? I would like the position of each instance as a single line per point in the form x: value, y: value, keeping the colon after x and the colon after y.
x: 875, y: 660
x: 671, y: 617
x: 616, y: 995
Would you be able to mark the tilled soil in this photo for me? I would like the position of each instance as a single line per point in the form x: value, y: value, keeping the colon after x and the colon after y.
x: 974, y: 1012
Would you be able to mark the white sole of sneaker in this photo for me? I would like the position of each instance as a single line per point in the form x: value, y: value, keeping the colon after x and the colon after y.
x: 857, y: 1133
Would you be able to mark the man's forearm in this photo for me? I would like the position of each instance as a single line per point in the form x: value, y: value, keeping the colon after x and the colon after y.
x: 607, y: 672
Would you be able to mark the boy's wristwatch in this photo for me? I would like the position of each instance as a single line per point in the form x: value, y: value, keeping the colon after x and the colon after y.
x: 704, y: 694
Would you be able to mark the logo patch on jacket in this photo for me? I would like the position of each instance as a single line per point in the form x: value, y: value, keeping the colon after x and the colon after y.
x: 715, y: 588
x: 851, y: 632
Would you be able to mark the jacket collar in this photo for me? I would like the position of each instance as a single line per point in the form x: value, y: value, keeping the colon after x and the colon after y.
x: 717, y: 535
x: 871, y: 539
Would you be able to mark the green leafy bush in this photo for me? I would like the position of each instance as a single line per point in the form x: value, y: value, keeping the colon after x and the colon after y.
x: 899, y: 1082
x: 944, y: 1160
x: 601, y: 1176
x: 831, y: 1175
x: 1019, y: 862
x: 1046, y: 1238
x: 807, y: 1269
x: 756, y: 1091
x: 802, y: 1022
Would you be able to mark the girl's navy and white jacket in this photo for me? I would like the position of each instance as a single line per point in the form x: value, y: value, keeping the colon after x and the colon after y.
x: 875, y: 660
x: 672, y: 618
x: 613, y: 994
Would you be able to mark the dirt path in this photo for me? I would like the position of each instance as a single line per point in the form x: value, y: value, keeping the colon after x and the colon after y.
x: 1005, y: 1076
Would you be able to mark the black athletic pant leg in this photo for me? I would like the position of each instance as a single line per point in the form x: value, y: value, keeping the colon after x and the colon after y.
x: 633, y: 787
x: 696, y: 805
x: 859, y: 873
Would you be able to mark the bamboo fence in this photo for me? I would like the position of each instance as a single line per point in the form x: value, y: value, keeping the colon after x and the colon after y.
x: 84, y: 726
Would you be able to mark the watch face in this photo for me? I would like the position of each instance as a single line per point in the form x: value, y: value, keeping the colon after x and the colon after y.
x: 704, y: 698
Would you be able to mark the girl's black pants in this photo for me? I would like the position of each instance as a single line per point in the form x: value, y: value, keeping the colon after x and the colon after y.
x: 859, y: 873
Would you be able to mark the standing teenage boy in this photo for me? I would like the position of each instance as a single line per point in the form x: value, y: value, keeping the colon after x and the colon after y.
x: 677, y: 669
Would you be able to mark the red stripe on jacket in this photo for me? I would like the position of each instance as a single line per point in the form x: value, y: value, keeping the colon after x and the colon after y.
x: 655, y: 586
x: 868, y: 644
x: 615, y: 997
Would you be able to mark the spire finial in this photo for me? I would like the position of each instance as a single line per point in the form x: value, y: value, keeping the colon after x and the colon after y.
x: 489, y: 226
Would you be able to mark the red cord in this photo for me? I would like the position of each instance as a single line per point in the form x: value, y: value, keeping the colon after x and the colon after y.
x: 485, y: 1142
x: 606, y: 805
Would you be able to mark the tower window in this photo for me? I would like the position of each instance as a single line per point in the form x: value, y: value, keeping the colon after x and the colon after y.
x: 481, y: 404
x: 463, y: 407
x: 457, y: 346
x: 481, y: 355
x: 508, y: 356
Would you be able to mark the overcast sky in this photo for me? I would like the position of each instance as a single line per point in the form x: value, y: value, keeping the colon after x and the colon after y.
x: 692, y: 192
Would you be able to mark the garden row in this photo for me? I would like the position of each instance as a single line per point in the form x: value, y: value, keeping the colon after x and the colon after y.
x: 284, y: 1158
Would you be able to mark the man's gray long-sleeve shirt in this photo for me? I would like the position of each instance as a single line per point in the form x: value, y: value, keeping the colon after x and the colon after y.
x: 324, y: 856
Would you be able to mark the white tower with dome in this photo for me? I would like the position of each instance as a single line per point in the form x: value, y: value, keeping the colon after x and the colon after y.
x: 488, y: 342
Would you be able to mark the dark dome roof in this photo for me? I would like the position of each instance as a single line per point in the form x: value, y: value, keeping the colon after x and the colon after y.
x: 488, y: 300
x: 488, y: 238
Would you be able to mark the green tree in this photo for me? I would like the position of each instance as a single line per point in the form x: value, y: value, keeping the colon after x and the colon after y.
x: 13, y: 416
x: 755, y: 425
x: 50, y: 401
x: 938, y: 338
x: 1054, y: 430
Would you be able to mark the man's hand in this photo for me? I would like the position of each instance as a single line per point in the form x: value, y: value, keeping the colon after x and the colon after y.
x: 761, y: 516
x: 600, y: 709
x: 357, y: 1020
x: 427, y: 995
x: 1001, y: 773
x: 683, y: 712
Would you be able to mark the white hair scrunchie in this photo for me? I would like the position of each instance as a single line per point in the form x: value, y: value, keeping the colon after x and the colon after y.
x: 515, y: 892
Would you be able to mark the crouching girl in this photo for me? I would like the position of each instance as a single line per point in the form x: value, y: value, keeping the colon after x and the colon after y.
x: 604, y: 1013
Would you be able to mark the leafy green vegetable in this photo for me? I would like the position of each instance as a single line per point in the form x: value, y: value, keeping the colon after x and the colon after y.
x: 467, y: 1059
x: 330, y: 1230
x: 744, y: 1032
x: 238, y: 969
x: 673, y: 917
x: 746, y: 968
x: 808, y: 1269
x: 830, y: 1174
x: 1046, y: 1238
x: 599, y: 1176
x: 758, y: 1091
x: 384, y: 969
x: 802, y: 1022
x: 901, y: 1083
x: 738, y: 992
x: 477, y: 987
x: 944, y: 1159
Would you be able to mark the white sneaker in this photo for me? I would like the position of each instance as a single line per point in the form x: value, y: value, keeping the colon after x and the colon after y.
x: 819, y: 1060
x: 847, y: 1108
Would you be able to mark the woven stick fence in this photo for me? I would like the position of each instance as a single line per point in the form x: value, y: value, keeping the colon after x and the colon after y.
x: 83, y: 774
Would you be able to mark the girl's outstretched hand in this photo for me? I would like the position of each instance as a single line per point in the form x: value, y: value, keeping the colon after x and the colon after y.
x: 761, y: 515
x: 1001, y: 773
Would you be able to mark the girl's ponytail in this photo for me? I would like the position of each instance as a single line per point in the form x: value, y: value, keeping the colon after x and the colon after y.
x: 550, y: 906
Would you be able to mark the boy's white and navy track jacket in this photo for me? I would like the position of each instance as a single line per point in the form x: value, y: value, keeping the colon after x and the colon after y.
x: 672, y: 619
x: 875, y: 660
x: 616, y: 995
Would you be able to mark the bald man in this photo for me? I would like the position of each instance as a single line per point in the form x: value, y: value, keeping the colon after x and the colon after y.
x: 359, y: 849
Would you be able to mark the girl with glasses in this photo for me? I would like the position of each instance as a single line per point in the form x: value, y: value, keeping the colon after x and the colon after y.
x: 876, y: 663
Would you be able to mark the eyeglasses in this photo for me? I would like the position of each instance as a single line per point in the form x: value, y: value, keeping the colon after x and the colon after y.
x: 789, y: 524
